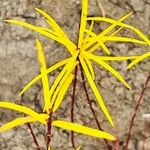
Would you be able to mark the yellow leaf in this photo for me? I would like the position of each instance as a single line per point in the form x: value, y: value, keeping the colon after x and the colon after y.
x: 62, y: 92
x: 52, y: 23
x: 23, y: 109
x: 45, y: 80
x: 16, y: 122
x: 60, y: 75
x: 138, y: 59
x: 107, y: 30
x: 112, y: 34
x: 117, y: 58
x: 49, y: 70
x: 83, y: 22
x: 138, y: 32
x: 103, y: 39
x: 109, y: 68
x: 79, y: 148
x: 90, y: 29
x: 63, y: 80
x: 71, y: 48
x: 49, y: 148
x: 109, y: 58
x: 95, y: 91
x: 82, y: 129
x: 89, y: 64
x: 19, y: 121
x: 57, y: 29
x: 96, y: 39
x: 122, y: 39
x: 17, y: 107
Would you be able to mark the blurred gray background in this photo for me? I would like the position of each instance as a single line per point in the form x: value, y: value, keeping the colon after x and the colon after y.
x: 18, y: 65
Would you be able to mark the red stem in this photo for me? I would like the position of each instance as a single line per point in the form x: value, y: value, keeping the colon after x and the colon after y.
x: 136, y: 111
x: 72, y: 105
x: 91, y: 107
x: 49, y: 126
x: 34, y: 137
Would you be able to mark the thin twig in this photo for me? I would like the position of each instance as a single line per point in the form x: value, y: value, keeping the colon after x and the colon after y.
x: 33, y: 135
x: 136, y: 111
x: 48, y: 135
x: 72, y: 104
x: 30, y: 130
x: 101, y: 7
x: 91, y: 107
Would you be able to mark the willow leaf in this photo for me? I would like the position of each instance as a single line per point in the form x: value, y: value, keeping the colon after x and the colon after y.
x: 107, y: 30
x: 45, y: 80
x: 82, y: 129
x: 63, y: 80
x: 60, y: 76
x: 79, y: 148
x: 62, y: 92
x: 95, y: 91
x: 71, y: 48
x: 23, y: 109
x: 109, y: 68
x: 89, y: 64
x: 123, y: 39
x: 97, y: 39
x: 83, y: 22
x: 53, y: 24
x: 138, y: 32
x: 49, y: 70
x: 140, y: 58
x: 16, y: 122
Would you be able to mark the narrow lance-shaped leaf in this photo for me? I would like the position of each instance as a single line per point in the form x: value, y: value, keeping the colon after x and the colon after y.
x: 103, y: 39
x: 115, y: 38
x: 38, y: 77
x: 60, y: 76
x: 19, y: 121
x: 16, y: 122
x: 97, y: 39
x: 79, y: 148
x: 107, y: 30
x: 95, y: 47
x: 114, y: 33
x: 90, y: 29
x: 83, y: 22
x: 71, y: 48
x: 89, y: 64
x: 138, y: 32
x: 17, y: 107
x: 117, y: 58
x: 62, y: 92
x: 63, y: 80
x: 53, y: 24
x: 109, y: 68
x: 23, y: 109
x: 140, y: 58
x: 95, y: 91
x: 49, y: 148
x: 45, y: 80
x: 123, y: 39
x: 110, y: 58
x: 83, y: 129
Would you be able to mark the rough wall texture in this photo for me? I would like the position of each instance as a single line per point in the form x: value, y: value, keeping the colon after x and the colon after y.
x: 18, y: 65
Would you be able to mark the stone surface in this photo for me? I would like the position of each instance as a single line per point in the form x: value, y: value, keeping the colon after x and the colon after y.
x: 18, y: 65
